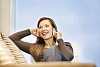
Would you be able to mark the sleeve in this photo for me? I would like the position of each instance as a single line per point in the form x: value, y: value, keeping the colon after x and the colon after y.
x: 16, y: 38
x: 66, y: 49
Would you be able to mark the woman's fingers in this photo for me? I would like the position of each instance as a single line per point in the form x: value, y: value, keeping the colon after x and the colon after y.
x: 58, y: 35
x: 35, y: 32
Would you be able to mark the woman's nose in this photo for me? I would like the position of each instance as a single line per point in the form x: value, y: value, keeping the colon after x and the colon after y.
x: 43, y: 28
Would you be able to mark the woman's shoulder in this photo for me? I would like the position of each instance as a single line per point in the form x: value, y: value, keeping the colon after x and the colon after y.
x: 67, y: 43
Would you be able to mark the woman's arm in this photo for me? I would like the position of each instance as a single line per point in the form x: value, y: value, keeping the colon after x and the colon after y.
x: 16, y: 38
x: 66, y: 49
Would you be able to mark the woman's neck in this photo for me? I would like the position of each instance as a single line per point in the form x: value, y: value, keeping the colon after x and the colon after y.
x: 49, y: 42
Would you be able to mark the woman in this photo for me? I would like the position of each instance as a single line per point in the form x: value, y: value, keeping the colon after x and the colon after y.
x: 45, y: 49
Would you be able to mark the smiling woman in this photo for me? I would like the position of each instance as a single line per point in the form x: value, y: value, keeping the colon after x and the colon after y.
x: 45, y: 49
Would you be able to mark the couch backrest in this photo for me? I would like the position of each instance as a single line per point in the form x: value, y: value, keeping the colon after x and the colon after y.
x: 9, y: 52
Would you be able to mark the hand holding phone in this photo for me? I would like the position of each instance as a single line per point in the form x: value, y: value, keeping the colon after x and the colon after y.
x: 56, y: 34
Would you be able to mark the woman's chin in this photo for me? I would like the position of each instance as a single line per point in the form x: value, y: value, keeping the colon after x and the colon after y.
x: 46, y: 38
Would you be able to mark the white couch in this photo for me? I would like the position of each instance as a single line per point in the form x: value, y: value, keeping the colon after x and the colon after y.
x: 9, y: 52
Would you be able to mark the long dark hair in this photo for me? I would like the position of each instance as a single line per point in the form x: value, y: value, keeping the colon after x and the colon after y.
x: 37, y: 48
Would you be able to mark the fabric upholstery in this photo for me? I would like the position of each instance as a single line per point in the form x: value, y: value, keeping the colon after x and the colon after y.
x: 6, y: 57
x: 9, y: 52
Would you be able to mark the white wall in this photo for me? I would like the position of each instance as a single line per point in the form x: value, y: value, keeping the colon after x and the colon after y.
x: 6, y: 18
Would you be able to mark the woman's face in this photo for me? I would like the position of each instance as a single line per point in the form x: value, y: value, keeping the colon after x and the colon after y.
x: 45, y: 29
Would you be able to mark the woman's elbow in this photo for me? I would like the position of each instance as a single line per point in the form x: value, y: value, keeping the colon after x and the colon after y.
x: 71, y: 57
x: 11, y: 38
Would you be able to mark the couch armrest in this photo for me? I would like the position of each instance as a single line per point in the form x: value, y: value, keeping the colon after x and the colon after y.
x: 52, y: 64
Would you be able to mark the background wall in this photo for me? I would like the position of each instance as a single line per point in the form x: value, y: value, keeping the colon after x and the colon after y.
x: 5, y: 16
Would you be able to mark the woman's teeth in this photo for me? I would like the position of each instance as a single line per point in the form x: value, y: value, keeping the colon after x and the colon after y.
x: 44, y: 33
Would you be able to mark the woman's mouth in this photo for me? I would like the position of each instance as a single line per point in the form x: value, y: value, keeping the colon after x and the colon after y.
x: 44, y: 33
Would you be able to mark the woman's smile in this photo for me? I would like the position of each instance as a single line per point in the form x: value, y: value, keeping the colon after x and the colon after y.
x: 44, y: 33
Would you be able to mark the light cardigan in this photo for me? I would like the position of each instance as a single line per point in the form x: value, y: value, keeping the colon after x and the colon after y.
x: 64, y: 47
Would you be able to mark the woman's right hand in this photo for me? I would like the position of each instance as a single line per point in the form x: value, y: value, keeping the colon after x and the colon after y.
x: 35, y: 31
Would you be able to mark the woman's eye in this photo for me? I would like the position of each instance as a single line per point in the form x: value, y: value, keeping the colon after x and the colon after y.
x: 47, y: 25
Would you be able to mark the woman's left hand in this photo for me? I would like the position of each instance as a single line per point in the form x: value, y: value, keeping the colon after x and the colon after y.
x: 58, y: 35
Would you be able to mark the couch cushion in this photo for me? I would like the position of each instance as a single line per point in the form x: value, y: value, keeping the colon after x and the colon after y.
x: 6, y: 56
x: 10, y: 50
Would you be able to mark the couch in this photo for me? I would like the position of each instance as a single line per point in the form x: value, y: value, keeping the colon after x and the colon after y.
x: 9, y: 52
